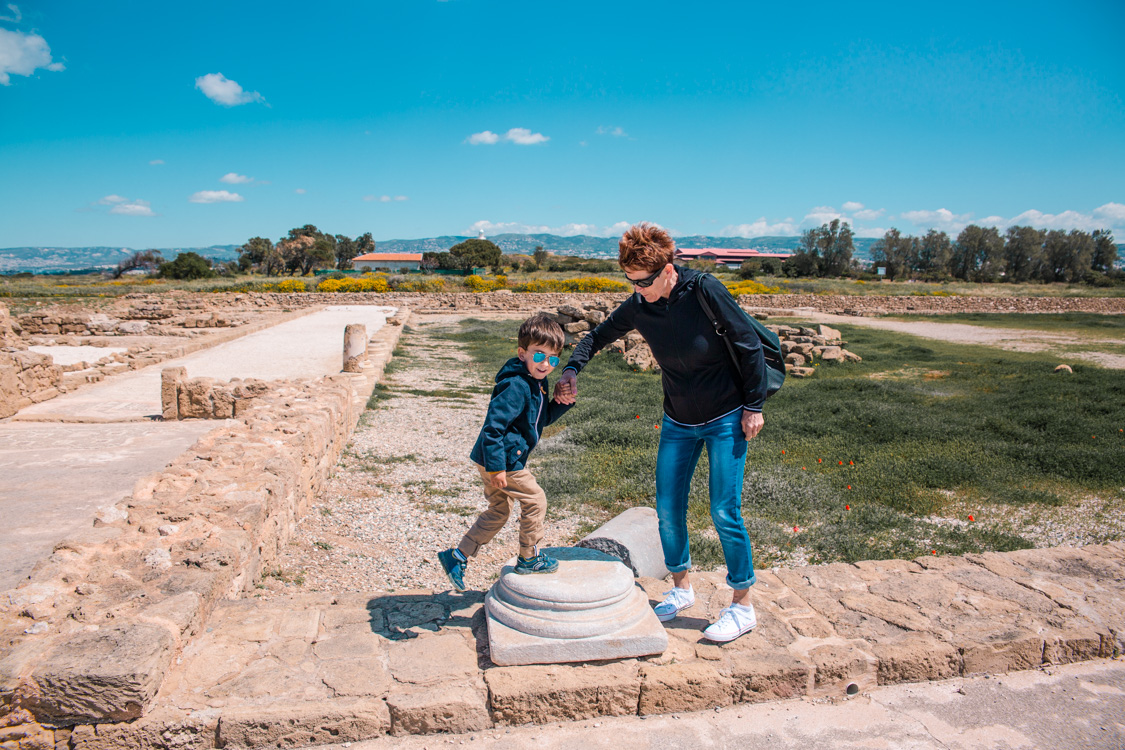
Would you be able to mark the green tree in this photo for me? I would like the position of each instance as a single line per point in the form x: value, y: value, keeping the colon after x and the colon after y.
x: 540, y: 256
x: 978, y: 254
x: 149, y: 260
x: 442, y: 261
x: 800, y: 264
x: 934, y: 253
x: 477, y: 253
x: 187, y: 266
x: 896, y: 253
x: 1105, y: 251
x: 346, y: 249
x: 1081, y: 255
x: 1023, y: 253
x: 322, y: 254
x: 254, y: 253
x: 1056, y: 256
x: 836, y: 248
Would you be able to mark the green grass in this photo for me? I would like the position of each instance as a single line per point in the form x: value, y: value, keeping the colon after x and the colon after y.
x: 918, y: 425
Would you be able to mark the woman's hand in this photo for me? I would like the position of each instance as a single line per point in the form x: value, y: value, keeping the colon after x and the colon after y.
x: 566, y: 389
x: 752, y: 423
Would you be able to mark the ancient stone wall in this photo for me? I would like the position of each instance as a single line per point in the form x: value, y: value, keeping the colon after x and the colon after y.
x: 88, y: 638
x: 26, y: 378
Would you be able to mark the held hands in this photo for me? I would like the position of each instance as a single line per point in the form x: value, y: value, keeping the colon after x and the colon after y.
x: 752, y: 423
x: 566, y: 389
x: 499, y: 480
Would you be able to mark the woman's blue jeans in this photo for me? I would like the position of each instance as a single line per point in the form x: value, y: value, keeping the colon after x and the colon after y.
x: 676, y: 458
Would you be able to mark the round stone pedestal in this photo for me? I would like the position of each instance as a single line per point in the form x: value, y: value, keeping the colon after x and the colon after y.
x: 588, y: 610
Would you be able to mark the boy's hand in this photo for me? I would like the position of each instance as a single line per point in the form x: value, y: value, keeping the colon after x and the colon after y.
x: 566, y: 389
x: 499, y: 480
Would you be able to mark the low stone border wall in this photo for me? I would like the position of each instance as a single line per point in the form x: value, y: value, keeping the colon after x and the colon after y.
x: 90, y: 636
x: 26, y: 378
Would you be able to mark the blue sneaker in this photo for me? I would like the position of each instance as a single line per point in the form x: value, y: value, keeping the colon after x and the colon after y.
x: 541, y: 563
x: 454, y: 567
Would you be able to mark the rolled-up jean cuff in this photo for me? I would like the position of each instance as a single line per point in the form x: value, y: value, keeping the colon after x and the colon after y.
x: 739, y: 585
x: 678, y: 568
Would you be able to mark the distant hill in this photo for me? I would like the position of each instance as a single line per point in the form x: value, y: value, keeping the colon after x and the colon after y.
x: 58, y: 259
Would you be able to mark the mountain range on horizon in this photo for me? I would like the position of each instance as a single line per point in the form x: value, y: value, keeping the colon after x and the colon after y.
x: 63, y: 259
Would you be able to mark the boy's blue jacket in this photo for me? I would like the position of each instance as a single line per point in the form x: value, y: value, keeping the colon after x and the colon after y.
x: 519, y: 410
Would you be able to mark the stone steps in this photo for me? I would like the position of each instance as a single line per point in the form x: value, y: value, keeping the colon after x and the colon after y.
x: 322, y: 668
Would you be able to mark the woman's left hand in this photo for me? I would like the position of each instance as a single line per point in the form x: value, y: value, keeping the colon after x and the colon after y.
x: 752, y: 423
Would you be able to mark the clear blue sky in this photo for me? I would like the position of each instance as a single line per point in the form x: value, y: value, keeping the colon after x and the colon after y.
x: 119, y: 122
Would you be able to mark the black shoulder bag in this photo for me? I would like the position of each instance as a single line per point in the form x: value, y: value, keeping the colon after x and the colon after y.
x: 771, y: 344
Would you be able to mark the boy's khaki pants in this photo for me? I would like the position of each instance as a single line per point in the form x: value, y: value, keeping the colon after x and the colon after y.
x: 522, y: 488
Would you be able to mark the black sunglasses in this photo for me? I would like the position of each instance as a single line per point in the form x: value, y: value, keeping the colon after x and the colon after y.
x: 647, y: 281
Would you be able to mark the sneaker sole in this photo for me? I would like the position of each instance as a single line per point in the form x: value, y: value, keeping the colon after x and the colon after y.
x: 672, y: 615
x: 728, y: 639
x: 535, y: 572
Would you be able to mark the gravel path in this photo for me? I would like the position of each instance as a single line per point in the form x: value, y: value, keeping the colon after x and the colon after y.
x: 405, y: 487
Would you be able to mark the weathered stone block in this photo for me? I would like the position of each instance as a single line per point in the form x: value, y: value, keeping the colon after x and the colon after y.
x: 452, y: 708
x: 914, y: 658
x: 162, y: 729
x: 301, y: 724
x: 107, y: 675
x: 671, y: 688
x: 434, y: 660
x: 1077, y: 644
x: 766, y: 676
x: 839, y: 665
x: 1015, y: 649
x: 634, y: 538
x: 541, y: 694
x: 170, y: 378
x: 26, y: 737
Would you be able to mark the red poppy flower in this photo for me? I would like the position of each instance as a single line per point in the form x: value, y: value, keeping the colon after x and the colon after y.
x: 851, y: 463
x: 849, y: 486
x: 971, y: 518
x: 820, y: 460
x: 841, y: 463
x: 848, y: 507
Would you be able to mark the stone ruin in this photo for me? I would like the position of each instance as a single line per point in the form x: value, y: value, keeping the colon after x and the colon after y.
x: 799, y: 345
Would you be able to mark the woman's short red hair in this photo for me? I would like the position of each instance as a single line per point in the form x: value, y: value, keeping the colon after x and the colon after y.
x: 645, y: 246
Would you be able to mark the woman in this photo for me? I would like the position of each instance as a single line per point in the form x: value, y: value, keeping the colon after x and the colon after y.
x: 705, y: 404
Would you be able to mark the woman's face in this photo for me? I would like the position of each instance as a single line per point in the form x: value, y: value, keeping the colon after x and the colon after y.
x: 661, y: 286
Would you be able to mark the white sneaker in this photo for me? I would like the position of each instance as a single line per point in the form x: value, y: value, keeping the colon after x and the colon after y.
x: 675, y: 601
x: 733, y: 622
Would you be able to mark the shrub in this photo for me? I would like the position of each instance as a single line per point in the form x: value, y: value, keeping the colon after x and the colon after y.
x: 432, y: 284
x: 290, y: 286
x: 590, y: 284
x: 187, y: 266
x: 752, y: 287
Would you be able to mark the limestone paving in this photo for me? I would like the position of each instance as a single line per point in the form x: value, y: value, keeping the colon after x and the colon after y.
x: 329, y: 668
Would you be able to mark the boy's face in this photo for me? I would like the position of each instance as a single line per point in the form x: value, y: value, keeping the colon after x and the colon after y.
x: 538, y: 370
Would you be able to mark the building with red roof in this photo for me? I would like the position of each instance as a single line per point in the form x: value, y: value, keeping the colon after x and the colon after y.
x: 725, y: 256
x: 389, y: 261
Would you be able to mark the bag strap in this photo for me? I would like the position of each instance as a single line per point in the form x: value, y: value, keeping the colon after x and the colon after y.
x: 720, y: 329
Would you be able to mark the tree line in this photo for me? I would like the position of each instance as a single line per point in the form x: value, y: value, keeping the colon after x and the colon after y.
x: 982, y: 254
x: 302, y: 251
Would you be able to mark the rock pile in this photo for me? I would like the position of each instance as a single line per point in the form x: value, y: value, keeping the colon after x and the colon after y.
x: 802, y: 345
x: 799, y: 345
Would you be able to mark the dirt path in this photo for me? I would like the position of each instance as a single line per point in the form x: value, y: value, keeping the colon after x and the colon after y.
x: 405, y: 487
x: 1003, y: 338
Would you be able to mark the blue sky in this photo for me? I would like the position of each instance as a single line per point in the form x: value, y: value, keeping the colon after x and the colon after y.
x: 175, y: 125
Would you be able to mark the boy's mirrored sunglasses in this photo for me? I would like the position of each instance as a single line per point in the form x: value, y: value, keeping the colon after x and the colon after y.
x: 647, y: 281
x: 538, y: 357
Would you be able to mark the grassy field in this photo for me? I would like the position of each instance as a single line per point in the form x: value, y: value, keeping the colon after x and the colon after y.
x: 886, y: 458
x: 1074, y: 323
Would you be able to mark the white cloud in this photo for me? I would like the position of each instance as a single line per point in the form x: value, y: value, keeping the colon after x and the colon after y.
x: 134, y: 208
x: 16, y: 15
x: 300, y: 191
x: 232, y: 178
x: 21, y: 54
x: 109, y: 200
x: 524, y: 137
x: 616, y: 131
x: 156, y: 162
x: 1112, y: 213
x: 485, y: 137
x: 222, y: 90
x: 821, y: 215
x: 942, y: 219
x: 851, y: 206
x: 565, y: 230
x: 869, y: 231
x: 385, y: 198
x: 760, y: 228
x: 215, y: 196
x: 868, y: 214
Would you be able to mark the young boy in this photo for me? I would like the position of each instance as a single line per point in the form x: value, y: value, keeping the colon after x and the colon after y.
x: 517, y: 414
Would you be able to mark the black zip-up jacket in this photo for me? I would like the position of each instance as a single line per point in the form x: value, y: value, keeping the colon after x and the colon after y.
x: 695, y: 367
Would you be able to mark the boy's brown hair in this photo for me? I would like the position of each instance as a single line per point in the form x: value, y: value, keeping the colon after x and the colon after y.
x: 541, y: 329
x: 645, y: 246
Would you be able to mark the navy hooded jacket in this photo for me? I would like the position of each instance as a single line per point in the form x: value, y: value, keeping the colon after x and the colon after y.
x: 517, y: 414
